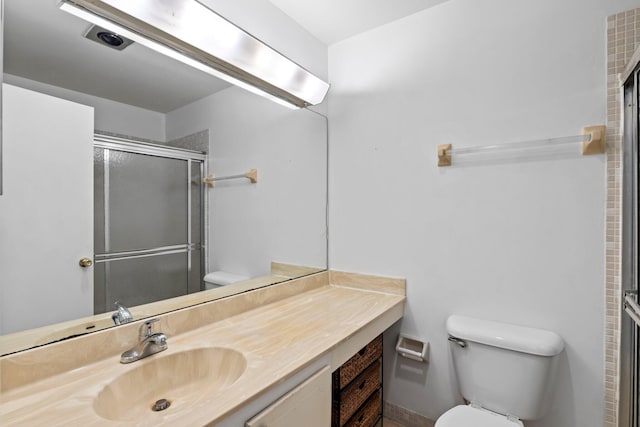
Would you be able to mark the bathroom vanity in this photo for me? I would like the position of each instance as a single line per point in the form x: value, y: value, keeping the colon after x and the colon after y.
x: 227, y: 360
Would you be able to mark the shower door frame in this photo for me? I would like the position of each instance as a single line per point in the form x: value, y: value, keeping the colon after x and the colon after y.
x: 629, y: 410
x: 115, y: 143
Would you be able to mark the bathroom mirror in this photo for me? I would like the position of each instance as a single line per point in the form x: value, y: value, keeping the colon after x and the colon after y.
x: 153, y: 117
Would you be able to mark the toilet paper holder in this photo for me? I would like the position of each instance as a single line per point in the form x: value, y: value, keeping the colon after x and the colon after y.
x: 412, y: 348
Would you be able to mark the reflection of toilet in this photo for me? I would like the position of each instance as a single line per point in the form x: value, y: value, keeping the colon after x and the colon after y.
x: 505, y: 372
x: 217, y: 279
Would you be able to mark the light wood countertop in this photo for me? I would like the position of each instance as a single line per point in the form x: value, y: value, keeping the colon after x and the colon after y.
x: 277, y: 339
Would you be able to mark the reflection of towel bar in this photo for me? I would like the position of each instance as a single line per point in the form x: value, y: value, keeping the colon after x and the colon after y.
x: 252, y: 176
x: 592, y: 140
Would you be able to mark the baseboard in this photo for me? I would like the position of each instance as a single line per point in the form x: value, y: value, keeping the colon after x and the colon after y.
x: 405, y: 417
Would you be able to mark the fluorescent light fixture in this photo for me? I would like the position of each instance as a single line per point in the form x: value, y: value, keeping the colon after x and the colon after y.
x: 195, y: 35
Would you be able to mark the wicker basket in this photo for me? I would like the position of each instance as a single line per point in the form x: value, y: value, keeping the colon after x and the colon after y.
x: 369, y: 414
x: 354, y: 366
x: 347, y: 402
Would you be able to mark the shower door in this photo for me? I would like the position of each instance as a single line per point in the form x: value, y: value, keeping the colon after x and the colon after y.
x: 148, y: 222
x: 630, y: 322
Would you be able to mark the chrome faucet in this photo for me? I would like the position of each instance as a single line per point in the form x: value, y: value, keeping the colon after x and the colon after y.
x: 150, y: 343
x: 122, y: 314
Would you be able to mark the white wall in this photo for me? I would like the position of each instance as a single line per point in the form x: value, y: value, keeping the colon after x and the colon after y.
x: 110, y: 116
x: 520, y: 241
x: 282, y: 217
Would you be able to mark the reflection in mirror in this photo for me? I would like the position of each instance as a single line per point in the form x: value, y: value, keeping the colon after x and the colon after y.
x: 191, y: 32
x: 105, y: 152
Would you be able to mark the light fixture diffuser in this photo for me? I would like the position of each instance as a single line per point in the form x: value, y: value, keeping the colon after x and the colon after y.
x: 192, y: 33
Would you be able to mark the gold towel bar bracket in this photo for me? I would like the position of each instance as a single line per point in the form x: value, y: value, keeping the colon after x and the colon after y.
x: 444, y: 158
x: 595, y: 145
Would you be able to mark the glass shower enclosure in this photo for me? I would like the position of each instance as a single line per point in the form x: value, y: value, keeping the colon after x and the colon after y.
x: 630, y: 321
x: 148, y: 222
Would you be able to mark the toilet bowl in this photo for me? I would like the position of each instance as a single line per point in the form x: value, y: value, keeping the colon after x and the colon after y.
x: 505, y: 371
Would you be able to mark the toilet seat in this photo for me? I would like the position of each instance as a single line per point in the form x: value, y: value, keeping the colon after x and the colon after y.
x: 470, y: 416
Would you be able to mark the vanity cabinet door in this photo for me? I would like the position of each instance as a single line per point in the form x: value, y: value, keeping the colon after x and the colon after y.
x: 309, y: 405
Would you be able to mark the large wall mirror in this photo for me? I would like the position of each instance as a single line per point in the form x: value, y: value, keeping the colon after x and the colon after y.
x: 104, y: 154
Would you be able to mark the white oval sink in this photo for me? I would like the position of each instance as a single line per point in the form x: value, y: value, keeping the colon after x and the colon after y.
x: 182, y: 378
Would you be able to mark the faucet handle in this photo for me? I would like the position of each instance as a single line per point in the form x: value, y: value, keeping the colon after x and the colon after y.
x: 146, y: 329
x: 122, y: 314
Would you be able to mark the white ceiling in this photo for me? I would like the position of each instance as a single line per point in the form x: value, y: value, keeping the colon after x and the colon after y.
x: 45, y: 44
x: 331, y: 21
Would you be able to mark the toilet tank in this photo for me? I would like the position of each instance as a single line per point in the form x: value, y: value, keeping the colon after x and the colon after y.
x: 219, y: 278
x: 505, y: 368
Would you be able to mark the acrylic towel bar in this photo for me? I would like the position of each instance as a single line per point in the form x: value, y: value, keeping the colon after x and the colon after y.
x: 592, y: 140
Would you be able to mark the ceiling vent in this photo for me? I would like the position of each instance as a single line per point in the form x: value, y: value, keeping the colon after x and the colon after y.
x: 107, y: 38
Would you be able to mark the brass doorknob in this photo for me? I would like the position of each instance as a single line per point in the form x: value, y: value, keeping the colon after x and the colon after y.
x: 85, y: 262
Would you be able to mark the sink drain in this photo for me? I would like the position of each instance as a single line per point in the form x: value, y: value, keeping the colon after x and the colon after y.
x: 161, y: 405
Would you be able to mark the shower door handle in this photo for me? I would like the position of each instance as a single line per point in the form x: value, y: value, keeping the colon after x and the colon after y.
x: 631, y: 305
x: 85, y: 262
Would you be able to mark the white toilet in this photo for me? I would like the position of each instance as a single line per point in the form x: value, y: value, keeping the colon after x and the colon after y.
x: 217, y: 279
x: 505, y: 372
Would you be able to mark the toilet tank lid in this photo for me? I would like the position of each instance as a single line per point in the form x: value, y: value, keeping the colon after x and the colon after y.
x: 503, y: 335
x: 224, y: 278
